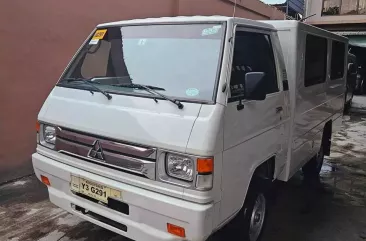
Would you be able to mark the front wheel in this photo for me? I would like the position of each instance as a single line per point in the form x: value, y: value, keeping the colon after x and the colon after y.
x: 254, y: 213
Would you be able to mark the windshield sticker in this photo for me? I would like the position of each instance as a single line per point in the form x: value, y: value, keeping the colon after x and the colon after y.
x: 217, y: 27
x: 94, y: 41
x: 210, y: 31
x: 192, y: 92
x: 142, y: 41
x: 99, y: 34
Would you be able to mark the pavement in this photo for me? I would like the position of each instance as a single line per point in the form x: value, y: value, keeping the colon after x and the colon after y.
x: 335, y: 211
x: 358, y: 104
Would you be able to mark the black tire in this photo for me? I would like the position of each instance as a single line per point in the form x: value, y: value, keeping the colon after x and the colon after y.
x: 347, y: 106
x: 254, y: 211
x: 350, y: 101
x: 313, y: 167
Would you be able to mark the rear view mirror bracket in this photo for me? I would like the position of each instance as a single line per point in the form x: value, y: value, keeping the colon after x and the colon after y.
x: 240, y: 105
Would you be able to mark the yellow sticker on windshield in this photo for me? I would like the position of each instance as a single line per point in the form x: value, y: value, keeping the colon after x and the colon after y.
x: 99, y: 34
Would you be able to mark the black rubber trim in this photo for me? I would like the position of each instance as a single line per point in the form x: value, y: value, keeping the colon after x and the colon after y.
x: 102, y: 219
x: 112, y: 204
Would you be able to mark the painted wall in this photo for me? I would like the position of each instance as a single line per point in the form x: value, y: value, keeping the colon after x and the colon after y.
x: 315, y: 7
x: 38, y: 38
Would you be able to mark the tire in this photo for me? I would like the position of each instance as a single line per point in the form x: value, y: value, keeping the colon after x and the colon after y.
x: 351, y: 100
x: 347, y: 107
x: 313, y: 167
x: 253, y: 216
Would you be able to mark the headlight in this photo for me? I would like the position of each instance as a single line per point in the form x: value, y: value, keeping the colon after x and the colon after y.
x: 48, y: 136
x: 179, y: 167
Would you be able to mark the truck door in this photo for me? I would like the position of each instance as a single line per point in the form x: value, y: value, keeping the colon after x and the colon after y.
x: 253, y: 129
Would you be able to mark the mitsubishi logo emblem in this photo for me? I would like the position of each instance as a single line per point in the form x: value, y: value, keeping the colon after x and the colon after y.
x: 96, y: 151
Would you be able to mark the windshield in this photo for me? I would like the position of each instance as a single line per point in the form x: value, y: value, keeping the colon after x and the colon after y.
x: 181, y: 60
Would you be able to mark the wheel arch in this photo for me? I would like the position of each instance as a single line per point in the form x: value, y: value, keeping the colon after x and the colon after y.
x: 265, y: 171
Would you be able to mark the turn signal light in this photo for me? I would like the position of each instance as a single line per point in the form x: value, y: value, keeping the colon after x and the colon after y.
x: 45, y: 180
x: 38, y: 126
x: 176, y: 230
x: 205, y: 165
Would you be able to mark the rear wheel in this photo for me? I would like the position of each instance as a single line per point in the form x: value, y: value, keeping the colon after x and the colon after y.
x: 313, y: 167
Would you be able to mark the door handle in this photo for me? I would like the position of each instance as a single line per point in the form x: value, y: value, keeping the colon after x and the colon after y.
x: 279, y: 109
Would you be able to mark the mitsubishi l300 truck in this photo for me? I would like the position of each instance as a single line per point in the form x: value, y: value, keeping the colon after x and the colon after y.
x: 168, y: 128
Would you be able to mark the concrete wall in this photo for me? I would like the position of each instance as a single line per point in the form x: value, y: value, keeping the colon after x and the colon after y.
x: 38, y: 38
x: 315, y: 7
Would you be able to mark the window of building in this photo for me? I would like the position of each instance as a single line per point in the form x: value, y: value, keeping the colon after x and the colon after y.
x: 253, y: 52
x: 315, y: 60
x: 331, y: 7
x: 362, y: 7
x: 349, y: 7
x: 344, y: 7
x: 337, y: 61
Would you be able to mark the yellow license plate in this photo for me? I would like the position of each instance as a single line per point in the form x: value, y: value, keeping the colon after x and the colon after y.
x: 94, y: 190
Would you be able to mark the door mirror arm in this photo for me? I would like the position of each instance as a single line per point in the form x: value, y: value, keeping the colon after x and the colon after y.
x: 240, y: 105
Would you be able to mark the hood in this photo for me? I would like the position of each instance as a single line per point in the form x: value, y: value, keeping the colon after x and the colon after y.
x: 125, y: 118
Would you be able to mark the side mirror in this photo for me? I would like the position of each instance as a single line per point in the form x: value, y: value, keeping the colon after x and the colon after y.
x: 254, y: 86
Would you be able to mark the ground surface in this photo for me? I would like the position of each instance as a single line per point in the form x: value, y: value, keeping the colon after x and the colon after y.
x: 335, y: 212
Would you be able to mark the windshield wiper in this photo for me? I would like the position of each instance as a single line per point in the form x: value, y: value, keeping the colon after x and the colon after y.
x: 152, y: 90
x: 91, y: 83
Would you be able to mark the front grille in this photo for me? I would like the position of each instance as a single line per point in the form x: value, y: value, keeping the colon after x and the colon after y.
x: 106, y: 152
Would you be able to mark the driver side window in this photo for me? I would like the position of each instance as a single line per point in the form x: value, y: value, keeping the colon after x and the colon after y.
x: 95, y: 63
x: 252, y: 53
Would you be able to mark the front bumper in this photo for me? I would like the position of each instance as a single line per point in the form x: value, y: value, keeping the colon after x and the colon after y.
x: 149, y: 212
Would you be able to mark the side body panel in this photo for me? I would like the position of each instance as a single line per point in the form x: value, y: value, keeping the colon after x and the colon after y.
x: 313, y: 106
x: 288, y: 41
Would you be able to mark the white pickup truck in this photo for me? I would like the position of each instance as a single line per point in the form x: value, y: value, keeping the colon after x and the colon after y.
x: 167, y: 128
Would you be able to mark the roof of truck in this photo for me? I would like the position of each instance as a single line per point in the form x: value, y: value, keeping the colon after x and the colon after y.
x: 186, y: 19
x: 293, y: 24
